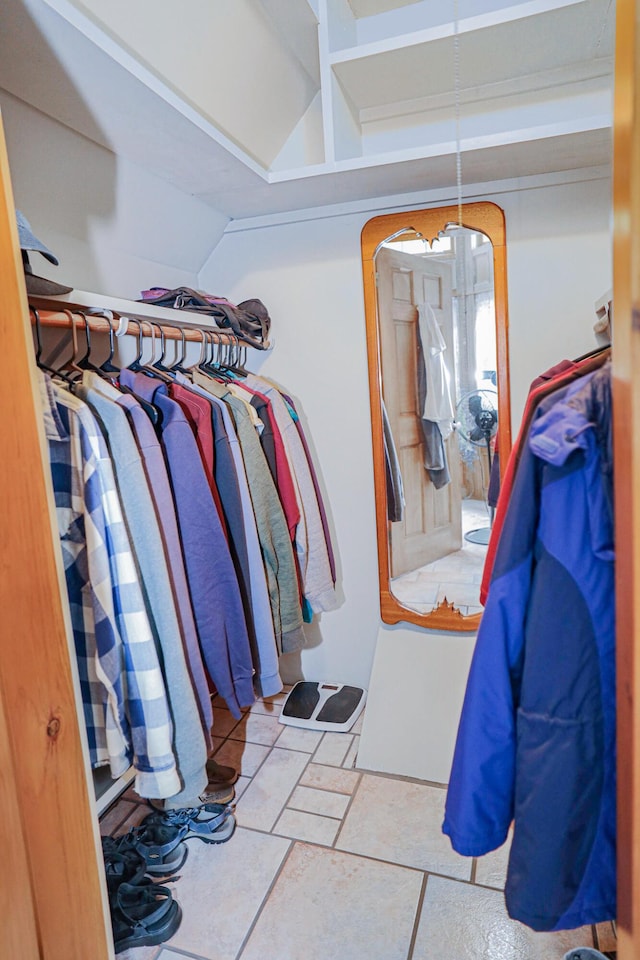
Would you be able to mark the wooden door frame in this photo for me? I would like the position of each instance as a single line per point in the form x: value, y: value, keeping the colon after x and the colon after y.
x: 42, y: 736
x: 626, y: 425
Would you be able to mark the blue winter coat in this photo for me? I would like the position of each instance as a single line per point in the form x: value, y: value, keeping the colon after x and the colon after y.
x: 536, y: 742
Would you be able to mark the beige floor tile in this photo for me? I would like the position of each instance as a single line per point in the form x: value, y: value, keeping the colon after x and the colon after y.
x: 223, y: 722
x: 329, y: 778
x: 221, y: 889
x: 491, y: 870
x: 400, y: 822
x: 330, y: 904
x: 357, y: 727
x: 333, y: 749
x: 462, y: 922
x: 351, y: 758
x: 324, y: 802
x: 263, y: 800
x: 267, y: 707
x: 115, y: 816
x: 257, y: 728
x: 142, y: 953
x: 241, y: 785
x: 307, y: 826
x: 297, y: 738
x: 245, y: 757
x: 461, y: 593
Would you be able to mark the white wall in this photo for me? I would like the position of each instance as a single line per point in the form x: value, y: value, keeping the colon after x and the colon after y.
x: 309, y: 275
x: 115, y: 228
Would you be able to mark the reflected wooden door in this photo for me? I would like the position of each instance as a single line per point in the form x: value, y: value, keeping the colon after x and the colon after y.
x: 431, y: 526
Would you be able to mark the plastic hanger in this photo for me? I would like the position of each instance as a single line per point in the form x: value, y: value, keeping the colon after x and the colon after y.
x: 39, y: 362
x: 178, y: 366
x: 85, y: 363
x: 135, y: 364
x: 151, y: 368
x: 108, y: 367
x: 159, y: 363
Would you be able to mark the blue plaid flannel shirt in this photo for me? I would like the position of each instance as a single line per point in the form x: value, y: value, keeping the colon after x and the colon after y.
x: 123, y: 693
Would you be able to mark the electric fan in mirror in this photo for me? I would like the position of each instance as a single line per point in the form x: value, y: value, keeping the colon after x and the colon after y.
x: 477, y: 425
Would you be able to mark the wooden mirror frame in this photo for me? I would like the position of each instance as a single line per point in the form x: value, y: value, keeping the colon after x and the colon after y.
x: 486, y: 218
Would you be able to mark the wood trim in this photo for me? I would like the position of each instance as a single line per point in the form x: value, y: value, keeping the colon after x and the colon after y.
x: 37, y: 678
x: 487, y: 218
x: 626, y: 436
x: 18, y: 930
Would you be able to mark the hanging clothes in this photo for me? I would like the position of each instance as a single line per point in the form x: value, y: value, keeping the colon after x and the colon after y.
x: 124, y: 697
x: 140, y: 518
x: 536, y: 742
x: 267, y: 677
x: 218, y: 613
x: 311, y: 548
x: 438, y: 404
x: 160, y: 491
x: 394, y: 486
x: 193, y: 581
x: 563, y: 372
x: 271, y: 523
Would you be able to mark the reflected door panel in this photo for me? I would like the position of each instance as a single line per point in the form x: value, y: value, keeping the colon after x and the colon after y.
x: 430, y: 527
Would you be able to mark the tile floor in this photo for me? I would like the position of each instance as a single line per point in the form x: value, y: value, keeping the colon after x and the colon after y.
x: 455, y: 577
x: 329, y: 861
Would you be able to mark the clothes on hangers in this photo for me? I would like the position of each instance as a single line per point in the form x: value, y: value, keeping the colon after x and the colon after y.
x: 215, y: 594
x: 536, y: 742
x: 141, y: 521
x: 266, y: 678
x: 124, y: 697
x: 563, y: 372
x: 205, y: 584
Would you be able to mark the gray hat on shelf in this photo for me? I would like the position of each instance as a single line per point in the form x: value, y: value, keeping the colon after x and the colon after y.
x: 29, y: 241
x: 37, y: 286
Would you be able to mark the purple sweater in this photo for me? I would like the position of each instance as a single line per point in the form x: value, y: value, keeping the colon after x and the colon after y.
x: 215, y: 595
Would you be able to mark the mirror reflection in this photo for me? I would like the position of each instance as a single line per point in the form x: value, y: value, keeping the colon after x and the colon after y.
x: 437, y: 335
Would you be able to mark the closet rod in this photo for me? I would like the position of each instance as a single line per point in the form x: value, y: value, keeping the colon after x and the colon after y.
x: 60, y: 319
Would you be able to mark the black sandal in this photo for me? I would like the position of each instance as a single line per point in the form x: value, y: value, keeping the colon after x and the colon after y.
x: 122, y: 865
x: 143, y: 915
x: 160, y: 844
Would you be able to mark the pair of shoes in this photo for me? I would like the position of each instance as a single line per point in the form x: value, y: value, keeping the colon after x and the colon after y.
x: 143, y: 913
x: 219, y: 775
x: 210, y: 822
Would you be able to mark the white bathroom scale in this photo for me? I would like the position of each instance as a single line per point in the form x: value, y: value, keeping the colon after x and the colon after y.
x: 323, y: 706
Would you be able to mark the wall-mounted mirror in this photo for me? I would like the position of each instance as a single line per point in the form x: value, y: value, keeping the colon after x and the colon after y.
x: 436, y: 314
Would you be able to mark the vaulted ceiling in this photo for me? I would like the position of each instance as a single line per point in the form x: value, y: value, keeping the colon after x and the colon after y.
x: 261, y: 106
